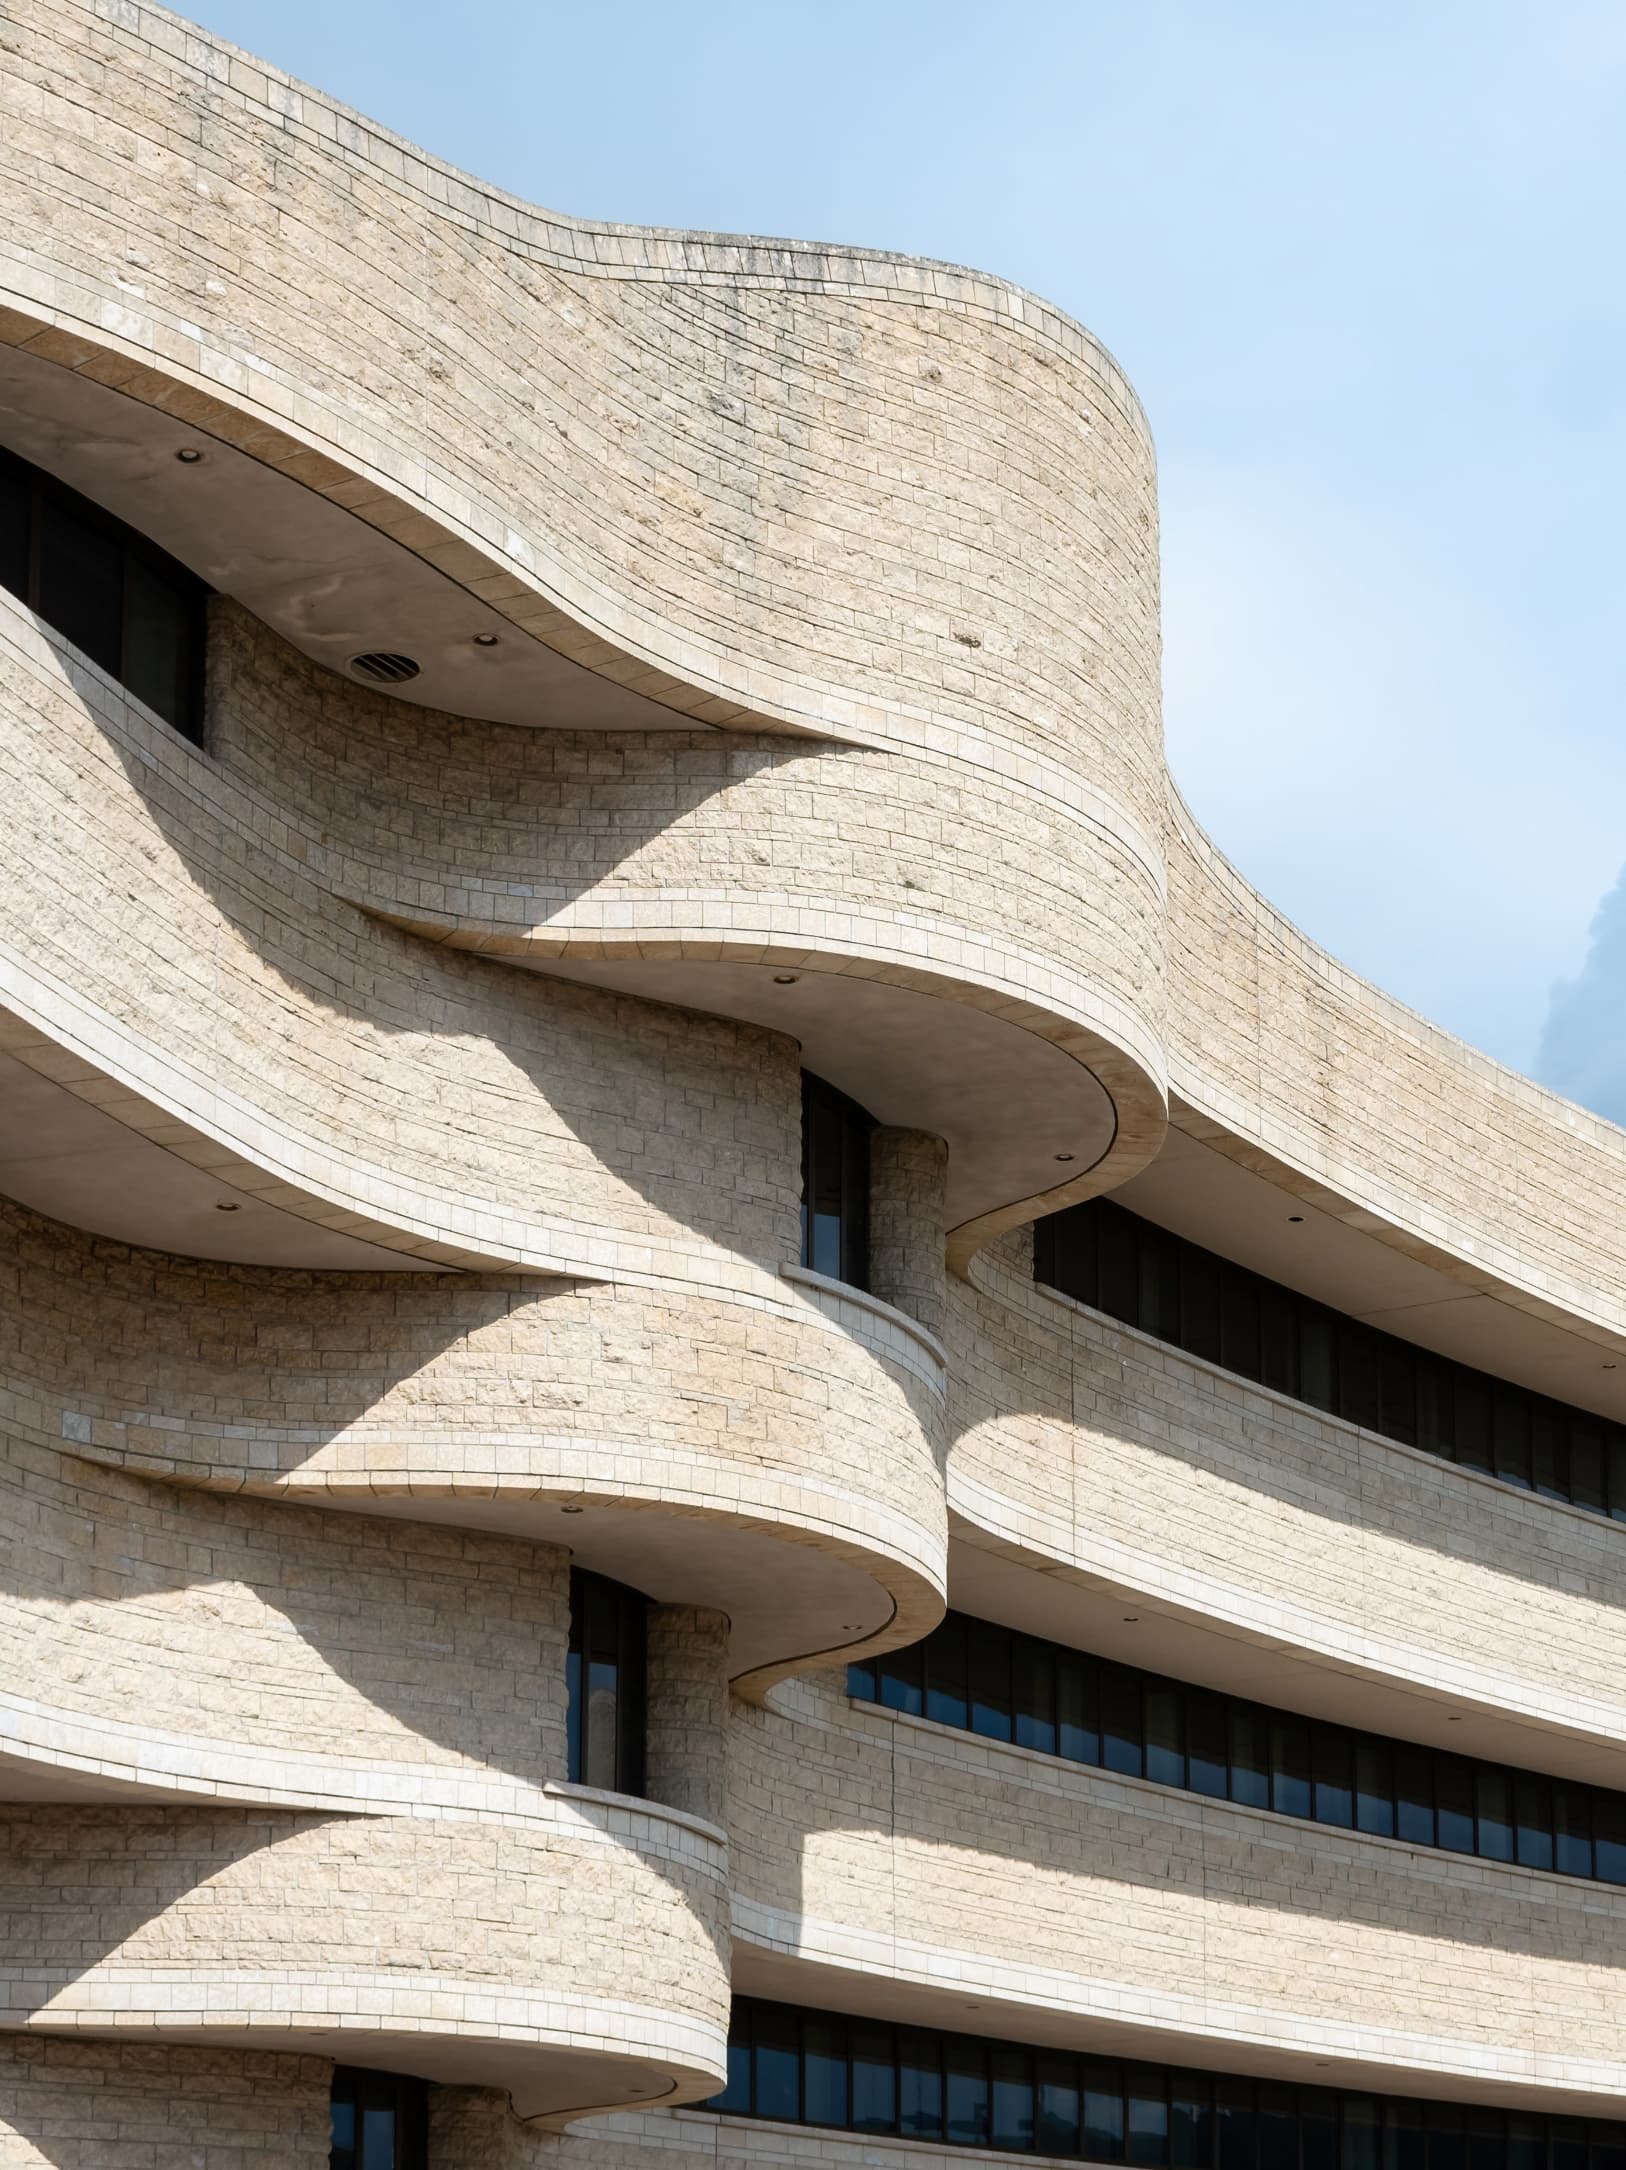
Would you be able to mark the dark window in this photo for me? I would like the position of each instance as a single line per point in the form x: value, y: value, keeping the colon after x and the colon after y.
x: 1140, y: 1274
x: 118, y: 598
x: 979, y: 1676
x: 608, y: 1625
x: 380, y: 2121
x: 835, y: 1183
x: 927, y: 2084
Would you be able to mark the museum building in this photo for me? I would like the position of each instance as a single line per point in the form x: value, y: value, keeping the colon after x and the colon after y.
x: 741, y: 1422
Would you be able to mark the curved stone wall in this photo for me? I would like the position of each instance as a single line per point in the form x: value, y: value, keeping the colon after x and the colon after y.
x: 577, y: 1957
x: 783, y: 1462
x: 1269, y: 1540
x: 1149, y: 1921
x: 473, y: 1026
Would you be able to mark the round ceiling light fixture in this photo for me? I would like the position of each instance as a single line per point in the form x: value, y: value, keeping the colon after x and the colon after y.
x: 784, y: 979
x: 225, y: 1205
x: 1067, y: 1156
x: 189, y: 455
x: 1296, y: 1219
x: 384, y: 667
x: 485, y: 640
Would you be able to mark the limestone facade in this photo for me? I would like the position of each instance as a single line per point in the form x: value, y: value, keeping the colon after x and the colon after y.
x: 401, y: 1206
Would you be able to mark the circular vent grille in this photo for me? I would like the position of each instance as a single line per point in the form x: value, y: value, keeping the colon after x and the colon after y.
x: 384, y: 669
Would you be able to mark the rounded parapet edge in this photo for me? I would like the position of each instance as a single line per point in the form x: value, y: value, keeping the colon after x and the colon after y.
x: 303, y: 355
x: 1204, y: 1526
x: 578, y: 1960
x: 1122, y: 1105
x: 779, y: 1459
x: 1298, y: 1069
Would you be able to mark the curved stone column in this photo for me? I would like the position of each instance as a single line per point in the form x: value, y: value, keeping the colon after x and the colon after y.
x: 687, y: 1765
x: 906, y: 1229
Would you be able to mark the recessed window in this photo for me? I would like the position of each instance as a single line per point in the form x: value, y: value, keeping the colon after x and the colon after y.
x: 117, y: 597
x: 380, y: 2121
x: 983, y: 1678
x: 796, y: 2066
x: 835, y: 1183
x: 608, y: 1634
x: 1137, y: 1272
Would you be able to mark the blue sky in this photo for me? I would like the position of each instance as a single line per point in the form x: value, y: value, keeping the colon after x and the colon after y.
x: 1363, y: 264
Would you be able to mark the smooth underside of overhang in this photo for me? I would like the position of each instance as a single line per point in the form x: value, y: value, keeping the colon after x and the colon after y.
x: 330, y: 584
x: 788, y: 1594
x: 65, y: 1157
x: 1021, y: 1115
x: 1375, y: 1692
x: 1201, y: 1193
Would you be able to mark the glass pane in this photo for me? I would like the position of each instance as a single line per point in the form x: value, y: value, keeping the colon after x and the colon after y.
x: 1120, y: 1720
x: 1290, y: 1767
x: 1159, y: 1284
x: 1206, y: 1748
x: 874, y: 2082
x: 1278, y: 2129
x: 1487, y: 2141
x: 1454, y: 1804
x: 990, y: 1650
x: 1549, y: 1451
x: 1057, y: 2127
x: 920, y: 2085
x: 775, y: 2056
x: 1436, y: 1427
x: 1493, y: 1800
x: 946, y: 1673
x: 1447, y: 2140
x: 1239, y: 1322
x: 1318, y: 1363
x: 1147, y: 2123
x: 1103, y: 2111
x: 344, y: 2136
x: 1250, y: 1756
x: 1397, y: 1390
x: 1191, y: 2124
x: 1012, y: 2099
x: 1405, y: 2146
x: 1609, y: 1837
x: 1078, y: 1735
x: 1566, y: 2144
x: 158, y: 641
x: 1608, y: 2146
x: 599, y: 1724
x: 81, y: 583
x: 1526, y: 2144
x: 1033, y: 1675
x: 1615, y: 1445
x: 1334, y: 1777
x: 1318, y: 2129
x: 861, y: 1681
x: 965, y: 2075
x: 1473, y: 1421
x: 1199, y: 1304
x: 1533, y: 1812
x: 1362, y: 2133
x: 1120, y: 1267
x: 377, y: 2151
x: 1233, y: 2116
x: 1278, y: 1340
x: 1586, y: 1464
x: 824, y: 2070
x: 903, y: 1676
x: 1374, y: 1788
x: 1510, y: 1435
x: 736, y: 2094
x: 1071, y: 1239
x: 1572, y: 1830
x: 1414, y: 1795
x: 1165, y: 1752
x: 1359, y: 1399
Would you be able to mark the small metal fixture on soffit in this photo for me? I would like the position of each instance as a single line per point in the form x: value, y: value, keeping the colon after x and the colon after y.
x: 384, y: 668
